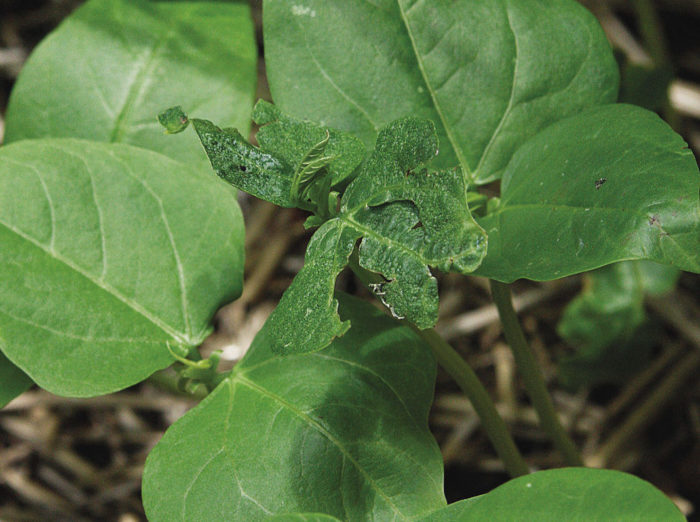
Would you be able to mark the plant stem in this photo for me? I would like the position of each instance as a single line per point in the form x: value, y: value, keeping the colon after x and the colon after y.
x: 491, y: 421
x: 652, y: 31
x: 168, y: 383
x: 532, y: 376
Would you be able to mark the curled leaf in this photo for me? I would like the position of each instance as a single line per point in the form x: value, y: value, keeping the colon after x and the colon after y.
x: 286, y: 145
x: 409, y: 218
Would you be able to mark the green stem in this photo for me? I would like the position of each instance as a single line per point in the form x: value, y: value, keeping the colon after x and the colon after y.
x: 168, y: 383
x: 491, y: 421
x: 652, y: 31
x: 532, y: 376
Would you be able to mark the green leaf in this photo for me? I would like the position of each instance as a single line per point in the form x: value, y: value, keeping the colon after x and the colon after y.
x: 304, y: 517
x: 174, y: 120
x: 409, y: 218
x: 110, y: 254
x: 342, y: 432
x: 614, y: 183
x: 571, y: 494
x: 268, y: 172
x: 490, y: 74
x: 113, y: 65
x: 13, y: 381
x: 292, y: 141
x: 603, y: 322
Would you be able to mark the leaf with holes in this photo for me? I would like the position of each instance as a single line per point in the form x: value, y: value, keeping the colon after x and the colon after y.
x: 113, y: 65
x: 342, y: 432
x: 111, y: 255
x: 490, y: 74
x: 410, y: 218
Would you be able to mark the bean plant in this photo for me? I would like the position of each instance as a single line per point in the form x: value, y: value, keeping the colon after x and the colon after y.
x: 393, y: 125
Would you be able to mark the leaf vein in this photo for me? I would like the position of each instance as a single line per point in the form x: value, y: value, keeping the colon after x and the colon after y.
x: 438, y: 108
x: 511, y: 98
x: 173, y: 245
x: 315, y: 425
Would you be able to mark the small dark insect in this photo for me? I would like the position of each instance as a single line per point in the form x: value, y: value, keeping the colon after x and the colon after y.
x: 600, y: 182
x: 653, y: 220
x: 242, y: 168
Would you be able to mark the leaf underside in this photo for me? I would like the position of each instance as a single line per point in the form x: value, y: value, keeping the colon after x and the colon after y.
x: 409, y: 218
x: 342, y: 432
x: 111, y: 254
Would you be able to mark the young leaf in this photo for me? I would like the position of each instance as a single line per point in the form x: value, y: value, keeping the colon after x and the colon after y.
x: 343, y: 432
x: 614, y: 183
x: 565, y: 494
x: 13, y: 381
x: 490, y: 74
x: 604, y: 320
x: 111, y: 255
x: 292, y: 141
x: 268, y: 172
x: 409, y: 219
x: 113, y: 65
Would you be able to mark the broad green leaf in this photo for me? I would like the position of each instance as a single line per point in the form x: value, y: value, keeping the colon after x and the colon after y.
x: 571, y: 494
x: 342, y: 432
x: 614, y: 183
x: 603, y: 322
x: 490, y: 74
x: 110, y: 254
x: 13, y: 381
x: 409, y: 218
x: 113, y: 65
x: 268, y: 172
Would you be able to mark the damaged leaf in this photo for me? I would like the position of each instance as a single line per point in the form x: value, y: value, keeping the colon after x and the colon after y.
x: 408, y: 217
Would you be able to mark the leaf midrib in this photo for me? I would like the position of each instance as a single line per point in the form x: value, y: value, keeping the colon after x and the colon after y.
x: 433, y: 95
x: 103, y: 285
x: 392, y: 243
x: 136, y: 88
x: 315, y: 425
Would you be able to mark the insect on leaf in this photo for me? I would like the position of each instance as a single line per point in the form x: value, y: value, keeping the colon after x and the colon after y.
x: 408, y: 217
